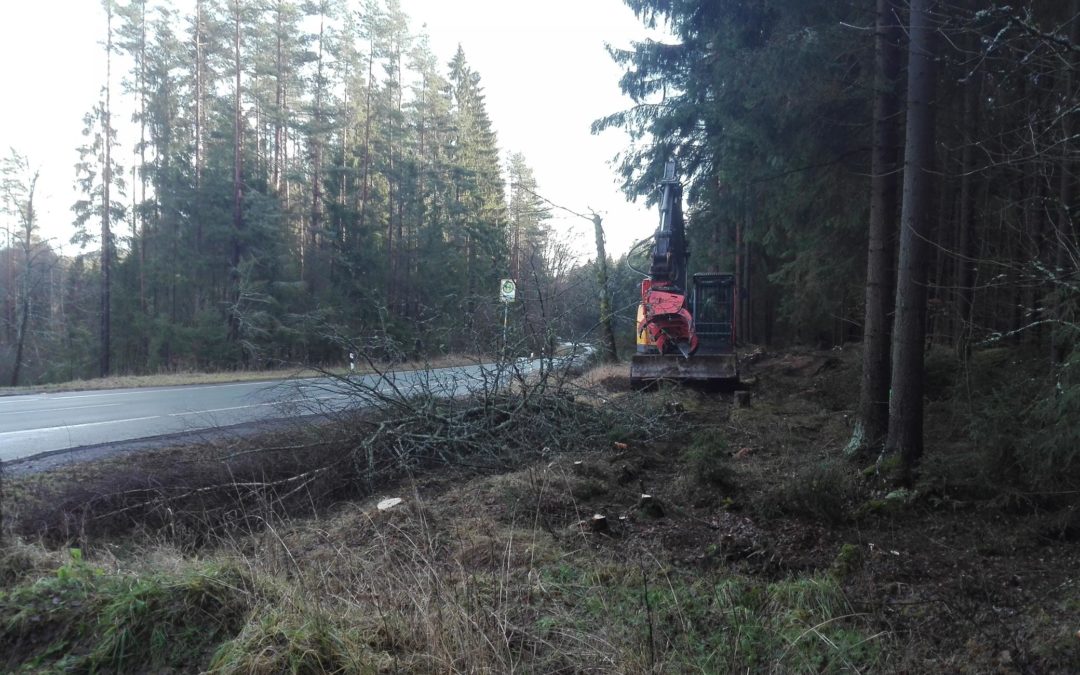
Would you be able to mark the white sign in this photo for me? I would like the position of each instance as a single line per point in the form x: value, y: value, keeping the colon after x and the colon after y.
x: 507, y: 290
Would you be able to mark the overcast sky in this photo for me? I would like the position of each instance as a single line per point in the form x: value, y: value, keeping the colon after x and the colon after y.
x: 543, y: 66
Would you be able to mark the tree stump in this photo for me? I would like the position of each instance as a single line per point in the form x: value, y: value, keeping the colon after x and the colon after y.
x: 650, y: 507
x: 598, y: 523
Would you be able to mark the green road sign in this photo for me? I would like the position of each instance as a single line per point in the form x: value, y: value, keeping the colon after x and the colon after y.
x: 507, y: 290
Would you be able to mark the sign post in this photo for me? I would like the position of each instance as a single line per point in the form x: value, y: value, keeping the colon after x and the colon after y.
x: 507, y: 291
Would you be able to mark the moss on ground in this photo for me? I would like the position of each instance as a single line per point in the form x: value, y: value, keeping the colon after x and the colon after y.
x: 83, y: 618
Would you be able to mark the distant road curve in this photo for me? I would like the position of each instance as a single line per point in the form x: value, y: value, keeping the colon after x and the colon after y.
x: 36, y: 424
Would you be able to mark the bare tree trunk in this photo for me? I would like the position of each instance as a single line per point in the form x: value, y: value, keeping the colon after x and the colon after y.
x: 279, y: 103
x: 200, y: 106
x: 24, y: 321
x: 311, y: 262
x: 401, y: 263
x: 1061, y: 342
x: 28, y: 218
x: 238, y: 190
x: 872, y: 419
x: 941, y: 253
x: 905, y: 437
x: 200, y: 160
x: 20, y: 338
x: 607, y: 329
x: 743, y: 268
x: 391, y: 262
x: 11, y: 300
x: 738, y: 330
x: 965, y: 277
x: 365, y: 187
x: 747, y: 270
x: 138, y: 219
x: 1036, y: 228
x: 106, y: 210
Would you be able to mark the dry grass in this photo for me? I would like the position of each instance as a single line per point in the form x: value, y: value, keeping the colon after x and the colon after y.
x: 604, y: 375
x: 483, y: 574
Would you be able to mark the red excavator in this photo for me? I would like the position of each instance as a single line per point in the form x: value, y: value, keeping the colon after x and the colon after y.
x: 682, y: 334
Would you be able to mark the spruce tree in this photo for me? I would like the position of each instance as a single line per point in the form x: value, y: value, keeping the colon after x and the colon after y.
x: 905, y: 436
x: 101, y: 181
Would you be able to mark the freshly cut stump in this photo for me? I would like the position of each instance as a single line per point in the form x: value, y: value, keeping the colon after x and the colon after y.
x: 742, y: 399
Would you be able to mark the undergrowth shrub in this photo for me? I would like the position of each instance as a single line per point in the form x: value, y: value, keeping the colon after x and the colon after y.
x: 827, y: 490
x: 673, y: 622
x: 707, y: 460
x: 1022, y: 420
x: 942, y: 370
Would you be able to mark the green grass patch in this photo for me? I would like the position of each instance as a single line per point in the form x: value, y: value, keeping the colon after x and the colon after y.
x: 707, y: 460
x: 307, y: 639
x: 83, y: 618
x: 827, y: 491
x: 671, y: 621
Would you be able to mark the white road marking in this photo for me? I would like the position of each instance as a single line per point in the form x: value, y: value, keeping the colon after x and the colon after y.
x: 136, y: 391
x: 236, y: 407
x: 61, y: 410
x: 76, y: 426
x: 20, y: 398
x: 179, y: 387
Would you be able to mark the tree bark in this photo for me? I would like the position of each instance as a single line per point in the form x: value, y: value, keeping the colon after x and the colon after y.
x: 28, y: 217
x: 905, y: 436
x: 872, y: 418
x: 1061, y: 344
x: 106, y: 210
x: 965, y: 236
x: 738, y: 332
x: 366, y: 184
x: 743, y: 251
x: 311, y: 260
x: 20, y: 338
x: 279, y: 100
x: 200, y: 106
x: 607, y: 329
x: 237, y: 187
x: 138, y: 222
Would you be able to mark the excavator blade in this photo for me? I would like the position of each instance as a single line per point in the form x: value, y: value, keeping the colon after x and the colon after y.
x: 721, y: 369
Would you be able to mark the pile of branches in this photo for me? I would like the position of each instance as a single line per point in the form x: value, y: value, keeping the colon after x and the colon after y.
x: 495, y: 417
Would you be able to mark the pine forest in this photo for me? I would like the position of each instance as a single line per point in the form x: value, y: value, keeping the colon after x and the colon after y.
x: 303, y: 172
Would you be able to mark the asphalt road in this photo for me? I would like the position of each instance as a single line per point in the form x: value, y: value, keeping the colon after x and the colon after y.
x: 33, y: 424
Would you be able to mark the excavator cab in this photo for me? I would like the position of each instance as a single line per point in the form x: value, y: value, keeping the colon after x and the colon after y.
x: 713, y: 307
